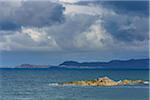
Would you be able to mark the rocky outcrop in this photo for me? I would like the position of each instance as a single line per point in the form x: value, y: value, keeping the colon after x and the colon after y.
x: 130, y: 82
x: 104, y: 81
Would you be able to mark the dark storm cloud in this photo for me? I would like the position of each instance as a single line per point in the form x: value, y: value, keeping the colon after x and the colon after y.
x: 125, y: 6
x: 87, y: 26
x: 8, y: 25
x: 29, y: 14
x: 128, y: 28
x: 39, y: 14
x: 130, y: 22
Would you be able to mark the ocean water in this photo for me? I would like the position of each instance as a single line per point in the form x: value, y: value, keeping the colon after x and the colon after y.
x: 40, y: 84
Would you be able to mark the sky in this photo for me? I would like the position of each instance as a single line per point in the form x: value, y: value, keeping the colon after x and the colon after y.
x: 50, y: 32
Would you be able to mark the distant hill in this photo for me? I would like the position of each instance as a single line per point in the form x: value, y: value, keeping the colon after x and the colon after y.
x: 32, y: 66
x: 114, y: 64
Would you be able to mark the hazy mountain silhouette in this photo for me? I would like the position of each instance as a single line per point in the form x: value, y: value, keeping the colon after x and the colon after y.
x: 114, y: 64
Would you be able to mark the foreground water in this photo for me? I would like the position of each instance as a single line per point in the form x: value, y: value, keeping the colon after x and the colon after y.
x: 40, y: 84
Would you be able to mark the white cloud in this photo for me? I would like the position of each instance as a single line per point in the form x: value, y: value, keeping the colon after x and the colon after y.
x: 88, y: 10
x: 35, y: 34
x: 28, y: 39
x: 96, y: 37
x: 68, y: 1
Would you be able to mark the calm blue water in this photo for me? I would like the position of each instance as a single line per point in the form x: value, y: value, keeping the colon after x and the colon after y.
x: 35, y: 85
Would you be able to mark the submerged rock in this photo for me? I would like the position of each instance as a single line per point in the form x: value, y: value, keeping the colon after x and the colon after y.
x: 104, y: 81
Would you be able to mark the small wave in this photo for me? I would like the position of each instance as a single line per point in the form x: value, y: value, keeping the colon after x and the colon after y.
x: 146, y: 82
x: 58, y: 84
x: 23, y: 98
x: 54, y: 84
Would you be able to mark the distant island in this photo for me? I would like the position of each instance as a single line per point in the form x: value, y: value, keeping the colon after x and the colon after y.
x: 114, y: 64
x: 32, y: 66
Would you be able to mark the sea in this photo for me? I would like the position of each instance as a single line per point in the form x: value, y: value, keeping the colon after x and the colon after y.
x: 42, y: 84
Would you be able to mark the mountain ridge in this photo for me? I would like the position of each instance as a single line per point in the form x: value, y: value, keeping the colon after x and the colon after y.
x: 115, y: 64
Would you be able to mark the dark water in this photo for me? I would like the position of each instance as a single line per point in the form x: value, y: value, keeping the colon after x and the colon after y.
x: 37, y: 84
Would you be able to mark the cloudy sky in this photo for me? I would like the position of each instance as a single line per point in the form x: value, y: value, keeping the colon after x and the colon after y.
x: 54, y: 31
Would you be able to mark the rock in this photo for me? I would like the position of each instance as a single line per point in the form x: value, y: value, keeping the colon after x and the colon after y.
x: 130, y: 82
x: 104, y: 81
